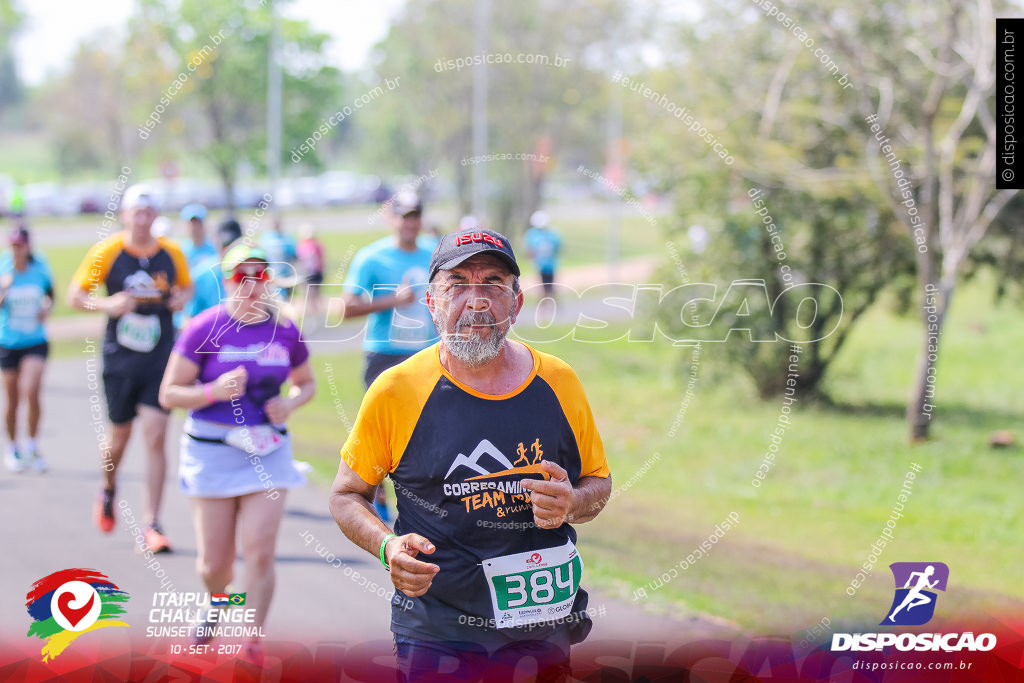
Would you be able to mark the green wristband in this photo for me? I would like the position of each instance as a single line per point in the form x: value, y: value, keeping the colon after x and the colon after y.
x: 383, y: 544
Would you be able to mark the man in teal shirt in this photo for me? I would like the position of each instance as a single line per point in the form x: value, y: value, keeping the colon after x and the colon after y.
x: 388, y: 282
x: 280, y: 246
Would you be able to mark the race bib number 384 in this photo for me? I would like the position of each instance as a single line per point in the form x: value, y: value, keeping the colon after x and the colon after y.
x: 535, y: 586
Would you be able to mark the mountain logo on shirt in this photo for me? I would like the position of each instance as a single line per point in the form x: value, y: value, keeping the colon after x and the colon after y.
x: 472, y: 461
x: 497, y: 484
x: 142, y: 285
x: 486, y: 448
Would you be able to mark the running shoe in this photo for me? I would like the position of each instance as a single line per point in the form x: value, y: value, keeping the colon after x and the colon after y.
x: 155, y: 539
x: 37, y: 461
x: 14, y: 461
x: 103, y: 511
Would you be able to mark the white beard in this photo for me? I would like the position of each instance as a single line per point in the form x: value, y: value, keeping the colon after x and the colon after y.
x: 473, y: 349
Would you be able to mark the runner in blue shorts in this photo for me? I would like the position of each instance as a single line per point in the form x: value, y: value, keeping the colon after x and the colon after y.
x: 26, y: 298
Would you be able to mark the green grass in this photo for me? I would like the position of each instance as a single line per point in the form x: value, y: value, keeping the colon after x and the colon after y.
x: 805, y: 531
x: 585, y: 241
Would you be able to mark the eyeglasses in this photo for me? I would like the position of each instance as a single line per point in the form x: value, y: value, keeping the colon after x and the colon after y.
x: 250, y: 272
x: 490, y: 290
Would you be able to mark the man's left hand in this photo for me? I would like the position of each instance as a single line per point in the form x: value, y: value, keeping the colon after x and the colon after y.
x: 552, y: 500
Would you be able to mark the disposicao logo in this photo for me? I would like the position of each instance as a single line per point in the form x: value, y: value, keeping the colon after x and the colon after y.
x: 68, y: 603
x: 914, y: 602
x: 913, y: 605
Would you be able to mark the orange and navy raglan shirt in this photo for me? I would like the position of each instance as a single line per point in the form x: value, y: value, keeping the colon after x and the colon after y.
x: 149, y: 278
x: 457, y: 458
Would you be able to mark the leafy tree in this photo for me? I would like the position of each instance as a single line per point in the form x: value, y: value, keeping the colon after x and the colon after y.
x: 223, y: 103
x: 927, y: 72
x: 535, y: 109
x: 98, y: 136
x: 791, y: 207
x: 798, y: 119
x: 11, y: 21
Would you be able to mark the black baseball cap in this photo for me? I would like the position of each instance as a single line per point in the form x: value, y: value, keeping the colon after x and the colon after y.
x: 228, y: 232
x: 456, y: 247
x: 19, y: 235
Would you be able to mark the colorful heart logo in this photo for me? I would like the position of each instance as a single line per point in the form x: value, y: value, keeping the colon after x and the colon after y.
x: 74, y: 615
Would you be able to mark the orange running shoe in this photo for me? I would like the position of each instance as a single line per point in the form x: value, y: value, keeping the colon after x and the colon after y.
x: 103, y: 511
x: 155, y: 539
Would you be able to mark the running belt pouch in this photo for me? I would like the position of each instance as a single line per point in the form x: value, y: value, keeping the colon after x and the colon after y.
x: 258, y: 440
x: 581, y: 623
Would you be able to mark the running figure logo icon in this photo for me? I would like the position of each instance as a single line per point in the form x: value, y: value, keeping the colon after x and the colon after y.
x: 914, y: 602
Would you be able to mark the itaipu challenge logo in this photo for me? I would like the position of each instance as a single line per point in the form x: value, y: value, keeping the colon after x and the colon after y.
x: 916, y: 583
x: 69, y: 603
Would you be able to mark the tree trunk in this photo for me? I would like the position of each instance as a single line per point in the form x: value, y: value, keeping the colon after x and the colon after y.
x: 227, y: 177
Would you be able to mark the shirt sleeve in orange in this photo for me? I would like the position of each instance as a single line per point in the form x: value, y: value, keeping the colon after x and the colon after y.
x: 93, y: 270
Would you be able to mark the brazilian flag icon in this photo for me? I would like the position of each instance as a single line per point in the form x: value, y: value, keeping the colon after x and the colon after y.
x: 237, y: 598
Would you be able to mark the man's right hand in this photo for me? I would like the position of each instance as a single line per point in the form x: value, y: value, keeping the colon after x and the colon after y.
x: 118, y: 304
x: 409, y: 575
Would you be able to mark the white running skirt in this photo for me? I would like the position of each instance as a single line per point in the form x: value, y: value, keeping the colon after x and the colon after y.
x: 217, y: 470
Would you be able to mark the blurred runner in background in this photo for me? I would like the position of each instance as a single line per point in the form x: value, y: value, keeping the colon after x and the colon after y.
x: 146, y: 280
x: 544, y: 245
x: 281, y: 251
x: 387, y: 282
x: 26, y: 299
x: 310, y: 254
x: 207, y: 275
x: 196, y: 246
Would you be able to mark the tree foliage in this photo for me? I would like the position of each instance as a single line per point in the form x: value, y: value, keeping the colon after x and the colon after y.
x: 791, y: 209
x: 11, y: 21
x: 222, y: 106
x: 795, y: 114
x: 549, y: 110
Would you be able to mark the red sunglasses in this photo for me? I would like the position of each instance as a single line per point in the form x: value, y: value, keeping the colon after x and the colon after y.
x: 250, y: 272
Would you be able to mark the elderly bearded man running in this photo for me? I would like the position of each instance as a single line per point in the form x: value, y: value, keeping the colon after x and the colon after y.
x: 493, y: 449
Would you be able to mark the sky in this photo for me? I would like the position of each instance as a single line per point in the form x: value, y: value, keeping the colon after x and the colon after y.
x: 54, y: 28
